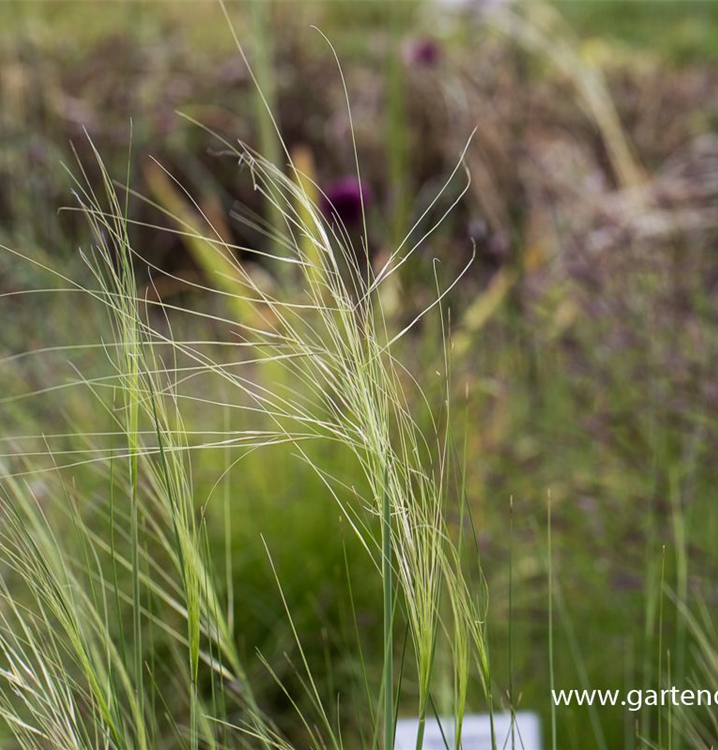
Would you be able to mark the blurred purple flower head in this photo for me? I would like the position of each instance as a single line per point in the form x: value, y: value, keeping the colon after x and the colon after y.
x: 343, y: 199
x: 422, y: 52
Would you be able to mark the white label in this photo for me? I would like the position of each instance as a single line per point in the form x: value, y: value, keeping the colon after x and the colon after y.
x: 523, y: 733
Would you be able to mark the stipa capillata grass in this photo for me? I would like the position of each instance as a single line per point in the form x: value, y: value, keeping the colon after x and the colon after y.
x: 115, y: 633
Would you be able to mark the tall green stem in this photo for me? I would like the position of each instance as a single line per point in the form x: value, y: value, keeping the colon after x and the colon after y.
x: 388, y: 622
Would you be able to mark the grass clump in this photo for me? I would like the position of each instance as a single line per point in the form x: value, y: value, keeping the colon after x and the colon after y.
x: 111, y: 597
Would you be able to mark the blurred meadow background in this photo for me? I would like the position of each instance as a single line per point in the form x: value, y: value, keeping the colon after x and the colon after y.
x: 578, y: 345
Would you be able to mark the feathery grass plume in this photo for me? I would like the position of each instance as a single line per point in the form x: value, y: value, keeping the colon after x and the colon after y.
x: 337, y: 343
x: 331, y: 372
x: 60, y: 642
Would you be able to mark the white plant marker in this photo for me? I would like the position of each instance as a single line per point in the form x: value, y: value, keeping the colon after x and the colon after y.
x: 475, y: 732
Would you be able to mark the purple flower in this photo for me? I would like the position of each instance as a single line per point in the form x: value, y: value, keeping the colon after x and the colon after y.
x: 423, y: 52
x: 342, y: 199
